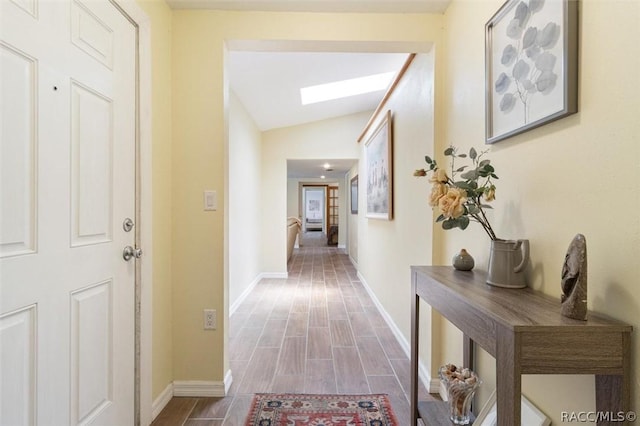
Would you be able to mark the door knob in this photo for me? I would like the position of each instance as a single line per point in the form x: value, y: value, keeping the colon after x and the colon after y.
x: 130, y: 252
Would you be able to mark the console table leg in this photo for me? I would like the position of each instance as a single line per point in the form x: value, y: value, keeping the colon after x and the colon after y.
x: 613, y: 396
x: 415, y: 322
x: 468, y: 352
x: 613, y: 392
x: 508, y: 382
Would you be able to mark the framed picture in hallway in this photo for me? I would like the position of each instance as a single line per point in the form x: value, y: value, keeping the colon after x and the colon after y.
x: 379, y: 170
x: 354, y: 195
x: 531, y: 59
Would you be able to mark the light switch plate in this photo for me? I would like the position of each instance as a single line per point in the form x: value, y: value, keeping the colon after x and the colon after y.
x: 210, y: 200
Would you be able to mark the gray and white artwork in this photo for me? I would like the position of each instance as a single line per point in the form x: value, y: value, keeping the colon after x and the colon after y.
x: 574, y: 280
x: 527, y: 64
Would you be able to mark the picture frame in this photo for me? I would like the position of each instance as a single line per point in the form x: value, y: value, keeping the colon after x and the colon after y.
x: 354, y: 195
x: 379, y: 170
x: 531, y: 66
x: 530, y: 414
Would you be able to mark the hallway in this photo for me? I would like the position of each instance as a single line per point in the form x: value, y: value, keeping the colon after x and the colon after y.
x: 316, y: 332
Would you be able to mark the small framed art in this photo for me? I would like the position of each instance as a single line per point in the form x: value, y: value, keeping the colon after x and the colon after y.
x: 354, y: 195
x: 379, y: 170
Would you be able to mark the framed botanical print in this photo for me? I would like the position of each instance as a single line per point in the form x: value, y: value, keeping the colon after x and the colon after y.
x: 531, y: 59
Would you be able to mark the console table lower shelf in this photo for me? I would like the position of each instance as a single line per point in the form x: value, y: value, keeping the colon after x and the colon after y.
x: 435, y: 413
x: 526, y: 334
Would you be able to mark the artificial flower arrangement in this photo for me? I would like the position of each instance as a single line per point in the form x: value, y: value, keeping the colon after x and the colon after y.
x: 462, y: 195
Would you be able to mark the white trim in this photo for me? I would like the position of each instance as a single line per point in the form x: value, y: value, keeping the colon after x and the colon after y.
x: 432, y: 385
x: 342, y: 246
x: 228, y: 380
x: 353, y: 262
x: 199, y: 388
x: 442, y: 391
x: 235, y: 305
x: 191, y: 388
x: 161, y: 401
x: 277, y: 275
x: 137, y: 14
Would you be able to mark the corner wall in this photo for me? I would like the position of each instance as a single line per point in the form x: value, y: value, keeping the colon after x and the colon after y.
x: 160, y: 17
x: 576, y: 175
x: 245, y: 155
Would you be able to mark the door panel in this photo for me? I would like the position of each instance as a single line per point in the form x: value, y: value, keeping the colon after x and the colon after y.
x: 18, y: 153
x: 18, y: 339
x: 91, y: 35
x: 91, y: 351
x: 91, y: 166
x: 68, y: 181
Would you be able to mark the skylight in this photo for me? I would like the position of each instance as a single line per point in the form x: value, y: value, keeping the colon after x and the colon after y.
x: 345, y: 88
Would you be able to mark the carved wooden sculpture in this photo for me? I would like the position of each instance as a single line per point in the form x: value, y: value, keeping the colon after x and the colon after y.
x: 574, y: 280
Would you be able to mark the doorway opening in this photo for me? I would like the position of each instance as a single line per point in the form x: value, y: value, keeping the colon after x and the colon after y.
x: 313, y: 208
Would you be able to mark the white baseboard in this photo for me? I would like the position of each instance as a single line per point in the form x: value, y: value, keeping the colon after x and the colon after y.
x: 161, y: 401
x: 342, y: 246
x: 228, y: 380
x: 432, y: 385
x: 277, y: 275
x: 442, y: 391
x: 353, y: 262
x: 199, y: 388
x: 193, y: 388
x: 235, y: 305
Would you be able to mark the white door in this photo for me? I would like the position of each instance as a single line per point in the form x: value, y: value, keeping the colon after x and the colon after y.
x: 67, y: 183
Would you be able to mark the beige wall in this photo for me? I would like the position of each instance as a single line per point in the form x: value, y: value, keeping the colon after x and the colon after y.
x: 576, y: 175
x: 327, y: 139
x: 199, y: 156
x: 387, y: 249
x: 245, y: 148
x: 160, y: 18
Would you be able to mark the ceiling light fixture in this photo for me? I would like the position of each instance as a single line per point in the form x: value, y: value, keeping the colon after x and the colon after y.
x: 345, y: 88
x: 322, y: 177
x: 326, y: 166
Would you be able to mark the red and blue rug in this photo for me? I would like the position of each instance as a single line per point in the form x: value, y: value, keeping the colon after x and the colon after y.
x: 320, y: 410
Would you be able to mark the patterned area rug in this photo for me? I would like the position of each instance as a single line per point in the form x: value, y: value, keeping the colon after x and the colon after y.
x: 320, y: 410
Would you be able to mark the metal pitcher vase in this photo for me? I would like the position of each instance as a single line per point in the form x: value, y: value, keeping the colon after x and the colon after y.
x: 507, y: 262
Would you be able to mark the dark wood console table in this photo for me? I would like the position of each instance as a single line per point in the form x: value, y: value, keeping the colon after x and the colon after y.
x: 525, y: 332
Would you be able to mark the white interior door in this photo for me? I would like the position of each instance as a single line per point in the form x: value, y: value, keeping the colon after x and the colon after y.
x: 67, y: 170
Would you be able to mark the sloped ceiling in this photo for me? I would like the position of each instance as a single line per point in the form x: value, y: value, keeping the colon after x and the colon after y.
x: 268, y: 83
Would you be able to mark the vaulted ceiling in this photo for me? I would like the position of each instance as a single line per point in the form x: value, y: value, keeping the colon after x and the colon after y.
x: 268, y: 83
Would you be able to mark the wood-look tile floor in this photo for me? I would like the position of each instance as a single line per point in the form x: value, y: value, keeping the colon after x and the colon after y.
x: 316, y: 332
